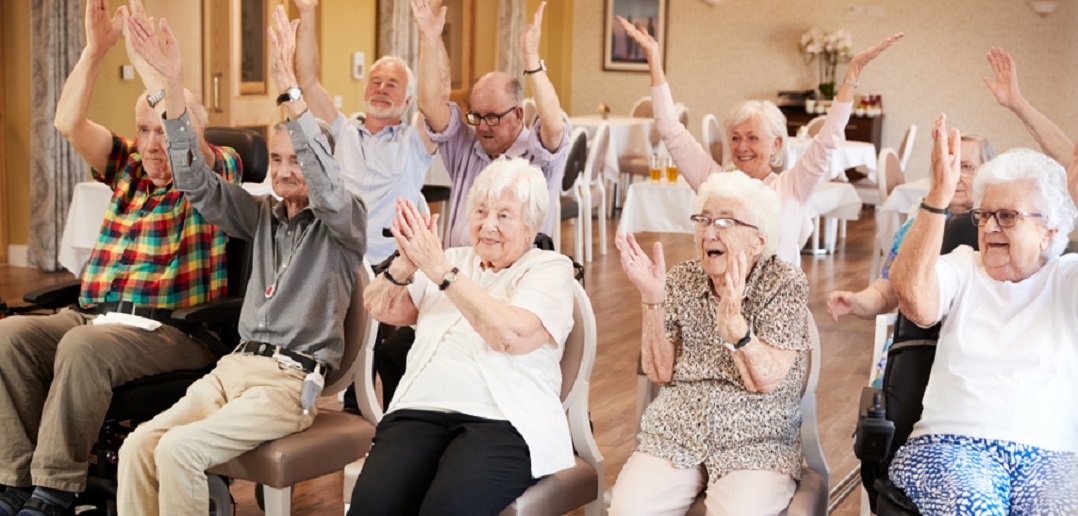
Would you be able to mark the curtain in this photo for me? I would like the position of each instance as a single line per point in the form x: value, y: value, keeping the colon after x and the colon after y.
x: 55, y: 167
x: 510, y: 27
x: 398, y: 36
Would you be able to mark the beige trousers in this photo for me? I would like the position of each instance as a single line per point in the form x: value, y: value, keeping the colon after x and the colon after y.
x: 245, y: 401
x: 653, y: 486
x: 56, y: 378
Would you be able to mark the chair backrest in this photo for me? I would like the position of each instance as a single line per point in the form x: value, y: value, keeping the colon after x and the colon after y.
x: 813, y: 127
x: 888, y: 173
x: 578, y: 356
x: 681, y: 111
x: 906, y: 148
x: 530, y: 112
x: 360, y: 330
x: 575, y: 160
x: 596, y: 161
x: 711, y: 136
x: 249, y: 144
x: 642, y: 108
x: 810, y: 432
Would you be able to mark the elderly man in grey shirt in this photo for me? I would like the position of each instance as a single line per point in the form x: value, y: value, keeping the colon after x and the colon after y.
x: 308, y: 248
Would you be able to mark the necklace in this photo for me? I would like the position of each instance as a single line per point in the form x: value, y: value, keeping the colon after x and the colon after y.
x: 272, y: 289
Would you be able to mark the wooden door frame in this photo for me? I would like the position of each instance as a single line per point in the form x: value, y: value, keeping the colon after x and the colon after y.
x: 3, y: 161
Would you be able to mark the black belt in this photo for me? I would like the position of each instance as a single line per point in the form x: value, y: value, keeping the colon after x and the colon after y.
x: 264, y: 349
x: 160, y: 315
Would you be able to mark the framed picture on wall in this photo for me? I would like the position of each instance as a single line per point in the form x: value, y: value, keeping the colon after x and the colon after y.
x: 620, y: 52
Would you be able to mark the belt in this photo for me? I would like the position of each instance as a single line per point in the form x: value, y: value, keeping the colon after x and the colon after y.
x: 263, y: 349
x: 127, y: 307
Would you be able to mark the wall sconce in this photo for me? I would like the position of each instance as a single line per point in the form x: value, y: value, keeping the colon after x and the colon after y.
x: 1043, y: 7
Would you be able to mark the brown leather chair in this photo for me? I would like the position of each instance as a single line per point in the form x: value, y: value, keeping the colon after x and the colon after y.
x: 336, y: 438
x: 582, y: 484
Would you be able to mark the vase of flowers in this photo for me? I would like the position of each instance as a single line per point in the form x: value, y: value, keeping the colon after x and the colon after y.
x: 604, y: 110
x: 828, y: 49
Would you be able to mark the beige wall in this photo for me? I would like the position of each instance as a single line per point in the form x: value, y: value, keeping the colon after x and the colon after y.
x: 16, y: 35
x: 347, y: 26
x: 718, y: 56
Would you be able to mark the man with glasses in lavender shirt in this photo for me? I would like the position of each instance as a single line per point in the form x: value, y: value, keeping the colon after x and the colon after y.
x: 496, y: 117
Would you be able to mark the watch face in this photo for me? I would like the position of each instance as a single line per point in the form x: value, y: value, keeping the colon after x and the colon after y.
x: 295, y: 93
x: 450, y: 276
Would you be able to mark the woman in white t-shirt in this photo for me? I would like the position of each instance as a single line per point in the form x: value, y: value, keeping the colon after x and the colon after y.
x: 999, y: 433
x: 477, y: 418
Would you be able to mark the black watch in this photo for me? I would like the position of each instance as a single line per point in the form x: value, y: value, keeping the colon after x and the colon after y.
x: 449, y: 278
x: 290, y: 95
x: 743, y: 342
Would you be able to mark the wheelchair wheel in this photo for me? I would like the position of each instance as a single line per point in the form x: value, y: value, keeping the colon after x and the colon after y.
x: 220, y: 497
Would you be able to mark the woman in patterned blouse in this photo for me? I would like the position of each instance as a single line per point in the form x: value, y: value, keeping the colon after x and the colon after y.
x: 726, y: 337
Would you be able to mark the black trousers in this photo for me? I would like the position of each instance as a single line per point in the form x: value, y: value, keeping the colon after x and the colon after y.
x: 434, y: 463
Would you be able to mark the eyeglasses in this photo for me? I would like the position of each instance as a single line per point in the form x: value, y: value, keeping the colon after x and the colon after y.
x: 491, y: 119
x: 1004, y: 218
x: 703, y: 222
x: 968, y: 170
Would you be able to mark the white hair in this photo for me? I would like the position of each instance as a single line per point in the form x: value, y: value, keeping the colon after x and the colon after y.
x: 1049, y: 182
x: 761, y: 200
x: 323, y: 127
x: 524, y: 180
x: 768, y: 114
x: 409, y: 89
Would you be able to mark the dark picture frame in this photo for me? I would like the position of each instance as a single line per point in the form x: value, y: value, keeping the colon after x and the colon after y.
x: 620, y: 52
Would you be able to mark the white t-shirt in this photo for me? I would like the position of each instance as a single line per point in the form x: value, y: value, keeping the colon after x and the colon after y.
x: 1006, y: 364
x: 451, y: 368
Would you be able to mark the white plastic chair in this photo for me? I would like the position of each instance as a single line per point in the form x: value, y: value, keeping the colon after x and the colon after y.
x: 711, y: 138
x: 884, y: 324
x: 593, y: 191
x: 573, y: 181
x: 812, y: 128
x: 906, y: 148
x: 530, y: 112
x: 888, y: 175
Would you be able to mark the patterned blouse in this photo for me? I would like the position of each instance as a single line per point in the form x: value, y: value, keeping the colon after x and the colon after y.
x: 705, y: 415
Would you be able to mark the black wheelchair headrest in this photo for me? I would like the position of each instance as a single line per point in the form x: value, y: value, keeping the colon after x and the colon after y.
x: 960, y: 230
x: 575, y: 160
x: 249, y: 144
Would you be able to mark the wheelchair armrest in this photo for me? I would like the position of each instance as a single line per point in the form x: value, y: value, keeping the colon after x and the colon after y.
x: 872, y: 439
x: 222, y: 310
x: 867, y: 394
x: 55, y: 296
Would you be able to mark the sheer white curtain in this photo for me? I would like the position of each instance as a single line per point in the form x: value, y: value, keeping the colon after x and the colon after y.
x: 55, y: 167
x: 398, y: 36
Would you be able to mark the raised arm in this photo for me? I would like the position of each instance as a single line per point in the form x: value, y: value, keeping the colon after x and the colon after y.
x: 657, y: 351
x: 857, y: 65
x: 547, y: 105
x: 308, y: 66
x: 151, y: 78
x: 433, y: 74
x: 92, y: 140
x: 1049, y: 136
x: 913, y: 274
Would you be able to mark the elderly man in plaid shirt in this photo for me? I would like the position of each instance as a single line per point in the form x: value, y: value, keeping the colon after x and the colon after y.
x: 155, y: 254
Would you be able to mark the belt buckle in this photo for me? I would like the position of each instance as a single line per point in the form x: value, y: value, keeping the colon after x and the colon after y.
x: 121, y: 307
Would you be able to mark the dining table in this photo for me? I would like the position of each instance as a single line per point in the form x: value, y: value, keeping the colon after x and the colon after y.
x: 848, y: 154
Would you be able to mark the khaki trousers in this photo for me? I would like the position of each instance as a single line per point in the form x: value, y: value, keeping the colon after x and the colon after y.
x: 56, y: 378
x: 245, y: 401
x: 653, y: 486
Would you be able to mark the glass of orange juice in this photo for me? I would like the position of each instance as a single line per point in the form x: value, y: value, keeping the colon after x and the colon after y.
x: 671, y: 170
x: 658, y: 163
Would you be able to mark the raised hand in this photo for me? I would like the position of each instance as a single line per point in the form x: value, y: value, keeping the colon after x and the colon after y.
x: 305, y: 5
x: 430, y: 24
x: 1005, y: 87
x: 150, y: 76
x: 642, y: 38
x: 730, y: 293
x: 282, y: 37
x: 866, y: 56
x: 529, y: 39
x: 946, y: 164
x: 417, y: 239
x: 840, y: 303
x: 648, y: 276
x: 102, y: 31
x: 161, y: 51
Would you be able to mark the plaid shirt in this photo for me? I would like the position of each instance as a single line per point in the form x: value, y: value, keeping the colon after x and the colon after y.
x: 154, y: 249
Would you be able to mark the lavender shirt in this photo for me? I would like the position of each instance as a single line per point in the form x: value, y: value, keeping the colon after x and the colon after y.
x: 464, y: 159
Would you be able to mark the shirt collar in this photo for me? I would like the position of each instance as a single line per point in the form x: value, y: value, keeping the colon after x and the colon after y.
x: 518, y: 149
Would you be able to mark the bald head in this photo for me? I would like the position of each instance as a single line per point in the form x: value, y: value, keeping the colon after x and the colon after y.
x: 500, y: 95
x: 500, y: 83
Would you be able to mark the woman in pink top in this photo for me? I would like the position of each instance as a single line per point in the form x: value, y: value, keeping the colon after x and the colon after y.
x: 755, y: 131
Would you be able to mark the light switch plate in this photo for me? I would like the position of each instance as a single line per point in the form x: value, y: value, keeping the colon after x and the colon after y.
x: 358, y: 65
x: 127, y: 72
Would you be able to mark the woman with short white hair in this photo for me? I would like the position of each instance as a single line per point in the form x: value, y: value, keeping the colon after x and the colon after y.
x: 477, y: 418
x: 756, y: 134
x: 726, y: 337
x: 998, y: 434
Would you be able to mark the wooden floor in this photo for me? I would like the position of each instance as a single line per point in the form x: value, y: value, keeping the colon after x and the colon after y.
x: 846, y: 348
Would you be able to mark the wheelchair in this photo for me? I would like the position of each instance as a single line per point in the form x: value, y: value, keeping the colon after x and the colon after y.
x: 887, y: 415
x: 214, y: 323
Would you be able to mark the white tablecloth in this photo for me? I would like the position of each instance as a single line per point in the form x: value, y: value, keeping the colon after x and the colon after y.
x: 629, y: 136
x: 87, y: 213
x: 894, y: 211
x: 848, y: 155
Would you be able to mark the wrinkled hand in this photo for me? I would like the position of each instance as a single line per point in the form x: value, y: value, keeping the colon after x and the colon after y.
x: 864, y: 57
x: 731, y: 292
x: 161, y: 51
x: 840, y: 303
x: 101, y: 31
x: 946, y: 164
x: 529, y: 39
x: 305, y: 6
x: 417, y: 239
x: 282, y: 37
x: 1005, y: 87
x: 649, y: 277
x: 430, y: 24
x: 148, y: 73
x: 642, y: 38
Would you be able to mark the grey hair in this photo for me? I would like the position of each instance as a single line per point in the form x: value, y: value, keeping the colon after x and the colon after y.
x: 193, y: 104
x: 409, y: 89
x: 524, y: 180
x: 326, y: 129
x: 988, y: 152
x: 1049, y: 182
x: 761, y: 200
x: 768, y: 113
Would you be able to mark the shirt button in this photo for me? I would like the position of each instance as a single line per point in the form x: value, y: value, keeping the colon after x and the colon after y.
x: 261, y: 325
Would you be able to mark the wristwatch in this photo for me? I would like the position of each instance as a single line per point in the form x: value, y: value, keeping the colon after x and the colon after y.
x: 449, y: 278
x: 156, y: 98
x: 741, y: 343
x: 542, y: 68
x: 290, y: 95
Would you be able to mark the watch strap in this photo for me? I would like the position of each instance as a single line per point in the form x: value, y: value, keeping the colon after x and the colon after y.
x: 291, y: 94
x: 389, y: 277
x: 937, y: 211
x: 743, y: 342
x: 542, y: 68
x: 155, y: 98
x: 449, y: 278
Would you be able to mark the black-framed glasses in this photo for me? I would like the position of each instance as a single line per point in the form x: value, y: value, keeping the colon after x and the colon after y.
x: 1004, y: 218
x: 492, y: 119
x: 702, y: 222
